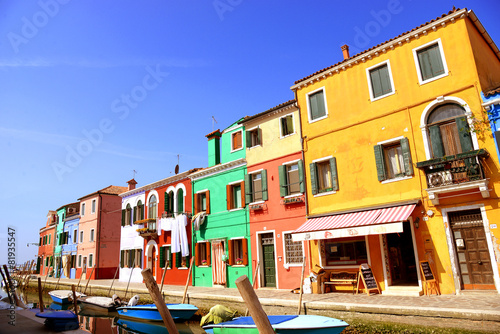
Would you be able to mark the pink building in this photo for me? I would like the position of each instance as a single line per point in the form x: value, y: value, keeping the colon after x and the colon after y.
x: 99, y: 233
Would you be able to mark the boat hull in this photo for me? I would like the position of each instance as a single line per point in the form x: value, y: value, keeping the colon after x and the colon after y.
x: 100, y: 304
x: 63, y: 296
x: 150, y: 312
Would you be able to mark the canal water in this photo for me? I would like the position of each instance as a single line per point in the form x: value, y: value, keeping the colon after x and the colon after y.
x: 95, y: 323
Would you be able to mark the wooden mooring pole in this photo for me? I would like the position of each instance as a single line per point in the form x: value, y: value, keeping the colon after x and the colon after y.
x: 75, y: 301
x: 301, y: 284
x: 40, y: 294
x: 114, y: 277
x: 250, y: 297
x: 91, y: 272
x: 187, y: 281
x: 150, y: 282
x: 253, y: 282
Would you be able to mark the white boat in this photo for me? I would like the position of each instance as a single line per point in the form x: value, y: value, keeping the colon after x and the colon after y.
x: 63, y: 296
x: 100, y: 303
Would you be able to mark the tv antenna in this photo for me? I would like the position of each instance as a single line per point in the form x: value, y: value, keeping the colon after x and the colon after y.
x: 134, y: 172
x: 213, y: 123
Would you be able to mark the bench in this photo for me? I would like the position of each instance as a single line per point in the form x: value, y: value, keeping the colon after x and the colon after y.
x: 341, y: 278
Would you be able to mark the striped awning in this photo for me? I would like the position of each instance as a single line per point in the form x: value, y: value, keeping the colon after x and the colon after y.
x: 376, y: 221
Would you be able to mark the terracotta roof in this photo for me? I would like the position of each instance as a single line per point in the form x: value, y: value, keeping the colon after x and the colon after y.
x: 279, y: 106
x: 110, y: 190
x: 492, y: 92
x: 376, y: 46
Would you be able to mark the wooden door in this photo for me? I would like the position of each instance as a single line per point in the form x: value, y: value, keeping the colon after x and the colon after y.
x: 472, y: 251
x: 153, y: 261
x: 267, y: 241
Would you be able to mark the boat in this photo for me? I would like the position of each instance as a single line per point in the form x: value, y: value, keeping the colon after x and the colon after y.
x: 155, y: 327
x: 179, y: 312
x: 292, y: 324
x: 102, y: 304
x: 63, y: 296
x: 59, y: 320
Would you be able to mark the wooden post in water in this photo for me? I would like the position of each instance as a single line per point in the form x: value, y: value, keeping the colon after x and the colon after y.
x: 259, y: 316
x: 81, y: 274
x: 75, y: 302
x: 150, y: 282
x: 114, y: 277
x: 187, y: 281
x: 130, y: 277
x: 6, y: 286
x: 253, y: 282
x: 301, y: 284
x: 40, y: 297
x: 91, y: 272
x: 163, y: 279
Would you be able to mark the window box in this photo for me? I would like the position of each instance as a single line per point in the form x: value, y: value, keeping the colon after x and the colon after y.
x: 292, y: 200
x: 145, y: 221
x: 256, y: 207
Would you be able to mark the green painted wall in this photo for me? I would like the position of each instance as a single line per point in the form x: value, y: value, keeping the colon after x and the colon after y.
x: 59, y: 230
x: 226, y: 154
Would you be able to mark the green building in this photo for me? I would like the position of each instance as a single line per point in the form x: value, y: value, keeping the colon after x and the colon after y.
x: 221, y: 239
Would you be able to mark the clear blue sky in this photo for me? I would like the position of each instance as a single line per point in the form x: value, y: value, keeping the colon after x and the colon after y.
x: 92, y: 90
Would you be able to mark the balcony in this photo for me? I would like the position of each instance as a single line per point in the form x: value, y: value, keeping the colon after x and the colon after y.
x: 454, y: 173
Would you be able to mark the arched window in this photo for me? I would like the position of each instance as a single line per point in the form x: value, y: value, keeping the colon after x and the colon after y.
x: 139, y: 211
x: 448, y: 130
x: 152, y: 207
x: 128, y: 215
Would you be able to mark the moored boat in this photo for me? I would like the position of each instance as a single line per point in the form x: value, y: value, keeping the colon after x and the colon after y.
x: 63, y: 296
x: 59, y: 320
x: 103, y: 304
x: 150, y: 312
x: 292, y: 324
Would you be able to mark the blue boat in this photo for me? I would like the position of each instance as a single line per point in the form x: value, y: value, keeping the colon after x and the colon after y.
x: 179, y: 312
x: 289, y: 324
x: 150, y: 327
x: 59, y: 320
x: 63, y: 296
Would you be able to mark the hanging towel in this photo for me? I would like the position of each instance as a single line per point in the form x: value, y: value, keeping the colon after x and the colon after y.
x: 198, y: 220
x: 175, y: 246
x: 218, y: 265
x: 182, y: 223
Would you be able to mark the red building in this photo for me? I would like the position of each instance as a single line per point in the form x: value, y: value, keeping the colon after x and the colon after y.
x: 46, y: 245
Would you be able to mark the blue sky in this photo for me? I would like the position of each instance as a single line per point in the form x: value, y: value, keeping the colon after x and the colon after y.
x: 92, y: 90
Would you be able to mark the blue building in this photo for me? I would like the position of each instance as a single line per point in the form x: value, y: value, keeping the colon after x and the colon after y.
x: 69, y: 246
x: 491, y: 103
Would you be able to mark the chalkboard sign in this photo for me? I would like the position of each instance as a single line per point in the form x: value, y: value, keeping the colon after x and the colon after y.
x: 426, y: 271
x: 366, y: 274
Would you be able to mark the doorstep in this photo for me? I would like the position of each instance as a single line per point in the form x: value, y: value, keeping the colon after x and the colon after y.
x: 401, y: 290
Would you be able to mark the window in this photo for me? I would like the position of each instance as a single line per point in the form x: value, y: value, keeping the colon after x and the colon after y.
x: 291, y: 178
x: 92, y: 235
x: 393, y: 160
x: 380, y: 80
x: 430, y: 62
x: 238, y: 252
x: 254, y: 137
x: 345, y: 251
x: 236, y: 142
x: 202, y: 253
x: 83, y: 209
x: 152, y: 207
x: 324, y: 176
x: 316, y: 105
x: 169, y: 202
x: 81, y: 236
x: 180, y: 200
x: 286, y: 125
x: 91, y: 259
x: 202, y: 202
x: 235, y: 197
x: 294, y: 254
x: 79, y: 261
x: 139, y: 211
x: 256, y: 187
x: 165, y: 257
x: 127, y: 216
x: 42, y: 240
x: 50, y: 235
x: 137, y: 257
x: 181, y: 261
x: 93, y: 206
x: 449, y: 131
x: 75, y: 235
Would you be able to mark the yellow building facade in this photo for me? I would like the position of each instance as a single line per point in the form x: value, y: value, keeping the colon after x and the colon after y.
x: 395, y: 175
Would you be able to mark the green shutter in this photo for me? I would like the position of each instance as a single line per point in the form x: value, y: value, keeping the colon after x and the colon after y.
x: 317, y: 105
x: 142, y: 211
x: 248, y: 189
x: 436, y: 141
x: 134, y: 218
x: 180, y: 201
x: 264, y: 185
x: 162, y: 257
x: 123, y: 217
x: 300, y: 164
x: 122, y: 258
x: 166, y: 203
x: 178, y: 260
x: 379, y: 162
x: 376, y: 82
x: 248, y: 138
x: 314, y: 178
x: 405, y: 148
x: 171, y: 257
x: 283, y: 181
x: 464, y: 134
x: 333, y: 169
x: 385, y: 80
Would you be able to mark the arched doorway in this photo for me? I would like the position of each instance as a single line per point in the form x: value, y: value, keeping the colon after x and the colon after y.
x: 151, y: 251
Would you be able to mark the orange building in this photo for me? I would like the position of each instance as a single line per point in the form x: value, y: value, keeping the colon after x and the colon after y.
x: 46, y: 245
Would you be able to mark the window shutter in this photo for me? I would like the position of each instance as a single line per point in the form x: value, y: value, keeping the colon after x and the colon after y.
x: 162, y: 257
x: 283, y: 181
x: 376, y: 82
x: 464, y: 134
x: 197, y: 254
x: 379, y: 162
x: 242, y: 193
x: 248, y: 139
x: 302, y: 183
x: 259, y: 136
x: 123, y: 217
x: 435, y: 60
x: 208, y: 201
x: 314, y: 178
x: 196, y: 203
x: 405, y: 147
x: 385, y: 80
x: 166, y: 203
x: 228, y: 196
x: 178, y: 260
x: 248, y: 189
x: 333, y: 169
x: 208, y: 252
x: 122, y: 258
x: 131, y: 259
x: 436, y: 141
x: 134, y: 215
x: 142, y: 211
x: 244, y: 245
x: 264, y: 185
x: 284, y: 126
x: 170, y: 257
x: 289, y: 124
x: 180, y: 201
x: 230, y: 251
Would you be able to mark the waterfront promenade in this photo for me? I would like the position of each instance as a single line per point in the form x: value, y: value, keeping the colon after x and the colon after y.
x: 477, y: 311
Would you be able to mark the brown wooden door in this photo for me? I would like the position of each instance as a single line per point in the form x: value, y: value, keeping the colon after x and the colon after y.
x: 472, y: 250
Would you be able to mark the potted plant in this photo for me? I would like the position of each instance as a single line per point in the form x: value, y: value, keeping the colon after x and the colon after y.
x: 204, y: 262
x: 239, y: 261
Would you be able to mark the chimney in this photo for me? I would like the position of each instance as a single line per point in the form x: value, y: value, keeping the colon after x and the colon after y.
x: 213, y: 148
x: 131, y: 184
x: 345, y: 51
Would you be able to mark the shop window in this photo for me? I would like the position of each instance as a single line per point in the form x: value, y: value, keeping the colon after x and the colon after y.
x: 291, y: 178
x: 235, y: 196
x: 393, y: 160
x: 324, y: 176
x: 202, y: 253
x: 430, y: 62
x: 316, y: 104
x: 202, y: 202
x: 165, y: 257
x: 152, y: 207
x: 253, y: 137
x: 286, y: 125
x: 256, y: 187
x: 345, y: 251
x: 236, y: 141
x: 238, y: 252
x: 294, y: 253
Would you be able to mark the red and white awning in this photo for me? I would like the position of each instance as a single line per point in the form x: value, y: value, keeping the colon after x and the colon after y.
x: 377, y: 221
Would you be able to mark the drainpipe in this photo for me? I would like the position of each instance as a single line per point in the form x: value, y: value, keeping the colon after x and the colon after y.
x: 98, y: 236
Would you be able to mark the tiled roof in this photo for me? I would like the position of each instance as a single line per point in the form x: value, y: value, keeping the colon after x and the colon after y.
x: 110, y: 190
x: 279, y: 106
x: 492, y: 92
x: 376, y: 46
